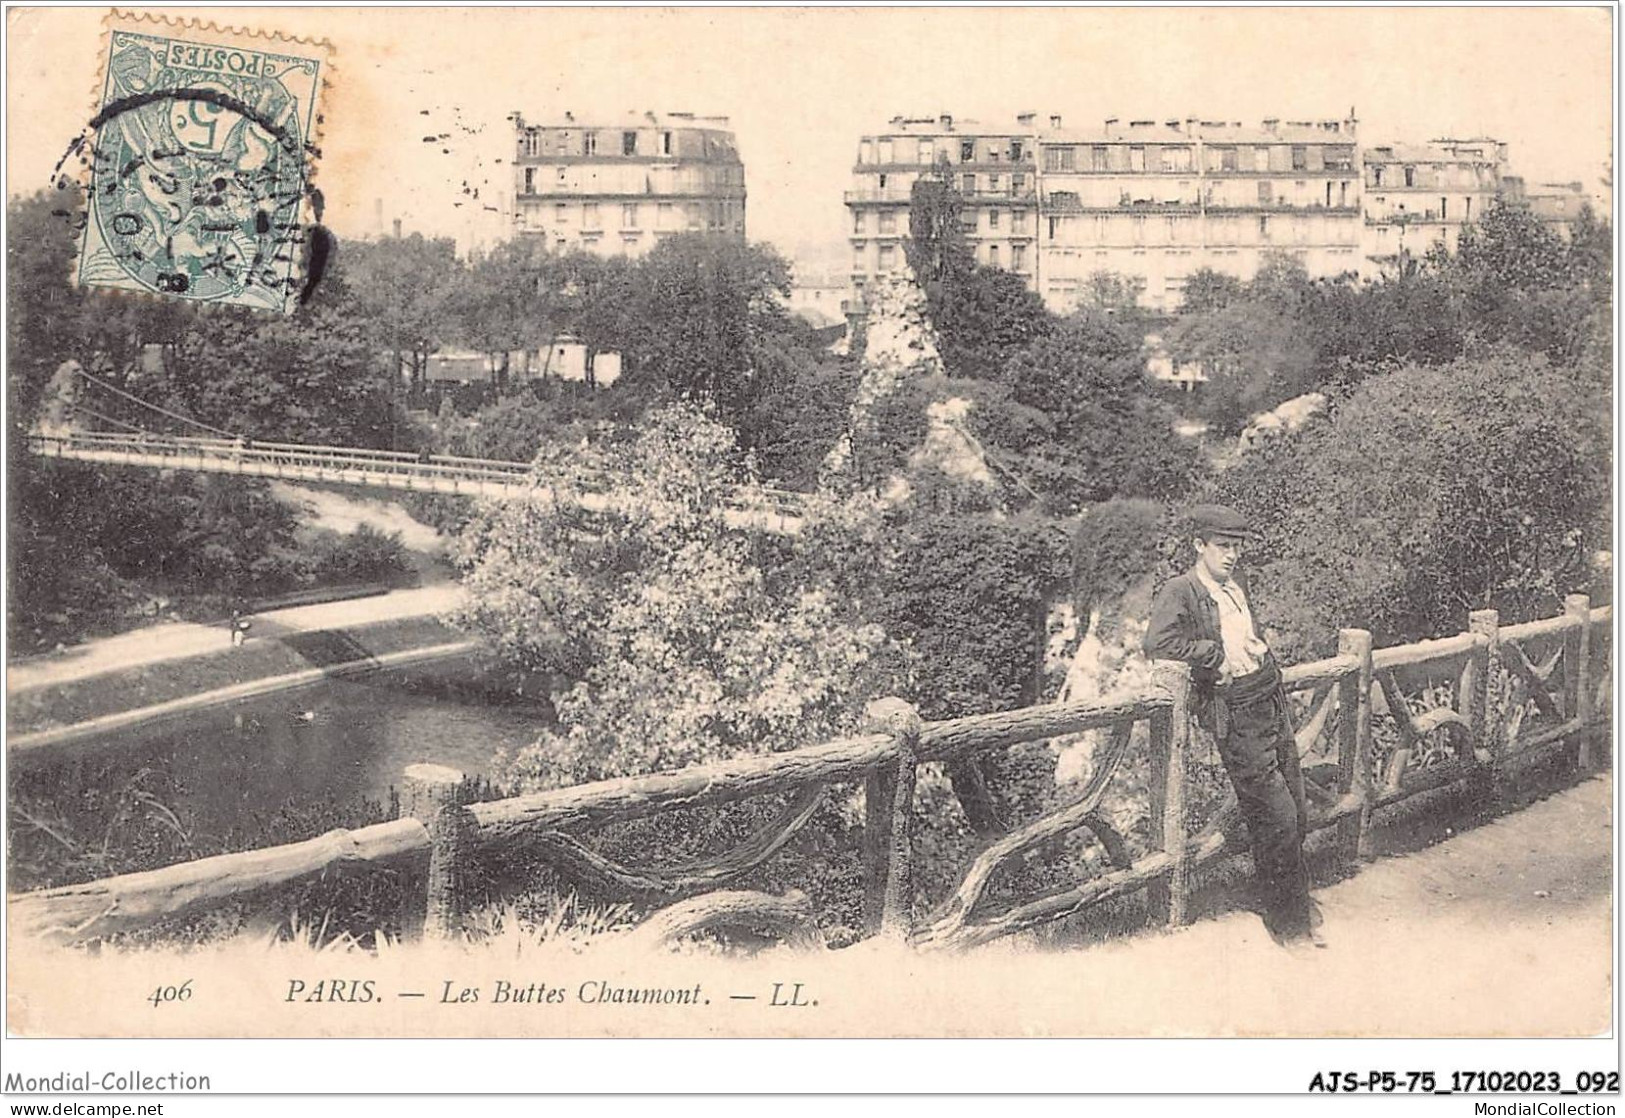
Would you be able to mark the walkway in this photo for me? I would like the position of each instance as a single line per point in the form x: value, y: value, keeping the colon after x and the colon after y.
x: 177, y: 641
x: 1502, y: 930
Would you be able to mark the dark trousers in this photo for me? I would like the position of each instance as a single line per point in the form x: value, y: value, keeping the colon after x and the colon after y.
x: 1259, y: 753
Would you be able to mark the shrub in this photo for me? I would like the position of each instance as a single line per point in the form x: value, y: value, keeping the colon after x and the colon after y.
x: 365, y: 555
x: 1430, y: 492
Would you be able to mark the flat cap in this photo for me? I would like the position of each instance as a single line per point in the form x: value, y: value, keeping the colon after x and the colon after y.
x: 1215, y: 521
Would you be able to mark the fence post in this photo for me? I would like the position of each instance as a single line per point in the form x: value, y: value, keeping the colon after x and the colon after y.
x: 429, y: 794
x: 888, y: 819
x: 1487, y: 735
x: 1170, y: 737
x: 1577, y: 674
x: 1354, y: 742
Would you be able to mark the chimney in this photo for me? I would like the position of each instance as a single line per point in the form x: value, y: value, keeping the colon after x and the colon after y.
x: 1055, y: 120
x: 1111, y: 125
x: 1271, y: 123
x: 569, y: 116
x: 947, y: 122
x: 1172, y: 124
x: 397, y: 228
x: 1026, y: 119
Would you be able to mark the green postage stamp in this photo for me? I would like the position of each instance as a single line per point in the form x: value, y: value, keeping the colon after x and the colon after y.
x: 199, y: 160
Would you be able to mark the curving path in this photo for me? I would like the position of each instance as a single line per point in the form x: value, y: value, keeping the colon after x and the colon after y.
x: 180, y: 640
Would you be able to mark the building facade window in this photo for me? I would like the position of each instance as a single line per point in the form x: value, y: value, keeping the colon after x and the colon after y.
x: 967, y: 184
x: 1100, y: 158
x: 993, y: 255
x: 1015, y: 151
x: 1176, y: 160
x: 629, y: 143
x: 1410, y: 176
x: 888, y: 221
x: 888, y: 257
x: 589, y: 143
x: 589, y: 215
x: 860, y: 257
x: 1018, y: 221
x: 1136, y: 159
x: 1017, y: 184
x: 866, y: 152
x: 1018, y: 257
x: 967, y: 151
x: 1261, y: 159
x: 857, y: 221
x: 885, y: 151
x: 1300, y: 157
x: 927, y: 152
x: 993, y: 184
x: 530, y: 180
x: 1266, y: 192
x: 629, y: 215
x: 992, y: 219
x: 665, y: 143
x: 561, y: 213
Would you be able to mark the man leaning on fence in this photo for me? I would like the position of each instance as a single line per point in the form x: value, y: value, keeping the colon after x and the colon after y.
x: 1204, y: 618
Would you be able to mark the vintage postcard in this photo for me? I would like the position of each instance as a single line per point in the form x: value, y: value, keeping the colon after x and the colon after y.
x: 812, y: 523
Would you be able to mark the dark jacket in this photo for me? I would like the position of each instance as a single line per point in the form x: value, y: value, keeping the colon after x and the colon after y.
x: 1185, y: 626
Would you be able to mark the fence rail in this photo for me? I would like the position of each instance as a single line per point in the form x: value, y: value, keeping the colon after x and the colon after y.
x: 1546, y: 695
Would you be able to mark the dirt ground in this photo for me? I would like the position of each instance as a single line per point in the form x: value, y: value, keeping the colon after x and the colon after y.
x: 1504, y: 929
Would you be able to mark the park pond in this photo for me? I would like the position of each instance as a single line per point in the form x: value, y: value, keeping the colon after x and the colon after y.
x: 275, y: 769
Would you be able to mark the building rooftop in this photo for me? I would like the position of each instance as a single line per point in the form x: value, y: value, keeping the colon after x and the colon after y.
x: 1437, y: 151
x: 1115, y: 131
x: 629, y: 119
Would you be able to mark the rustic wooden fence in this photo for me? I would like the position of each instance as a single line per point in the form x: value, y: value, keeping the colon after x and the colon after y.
x: 1374, y: 727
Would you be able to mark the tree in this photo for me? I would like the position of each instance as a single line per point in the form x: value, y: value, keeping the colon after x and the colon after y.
x: 936, y: 250
x: 1207, y: 290
x: 403, y: 289
x: 1431, y: 492
x: 1255, y: 356
x: 671, y: 641
x: 507, y: 300
x: 313, y: 376
x: 982, y: 315
x: 1105, y: 428
x: 1114, y: 293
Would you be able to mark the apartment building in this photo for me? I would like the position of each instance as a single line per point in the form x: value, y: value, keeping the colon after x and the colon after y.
x: 1418, y: 196
x: 617, y: 188
x: 1160, y: 200
x: 1556, y: 203
x: 995, y: 171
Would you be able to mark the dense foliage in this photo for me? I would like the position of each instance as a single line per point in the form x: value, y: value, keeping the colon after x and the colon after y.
x: 670, y: 643
x: 1432, y: 491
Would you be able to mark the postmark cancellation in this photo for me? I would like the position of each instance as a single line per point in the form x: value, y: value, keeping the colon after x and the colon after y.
x: 199, y: 162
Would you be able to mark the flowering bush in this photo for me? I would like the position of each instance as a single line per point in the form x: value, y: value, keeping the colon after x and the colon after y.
x: 673, y: 638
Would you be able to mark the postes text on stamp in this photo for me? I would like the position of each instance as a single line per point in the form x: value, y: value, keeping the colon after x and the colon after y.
x: 199, y: 176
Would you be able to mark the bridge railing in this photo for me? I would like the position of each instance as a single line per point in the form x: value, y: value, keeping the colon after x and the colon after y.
x: 1373, y: 728
x: 779, y: 509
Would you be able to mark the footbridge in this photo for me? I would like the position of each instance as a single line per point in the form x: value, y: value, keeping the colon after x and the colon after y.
x: 772, y: 510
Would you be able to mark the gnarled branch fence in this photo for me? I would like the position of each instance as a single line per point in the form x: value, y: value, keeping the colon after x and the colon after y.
x: 1467, y: 708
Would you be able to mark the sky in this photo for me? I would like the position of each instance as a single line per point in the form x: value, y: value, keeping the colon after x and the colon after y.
x: 801, y: 85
